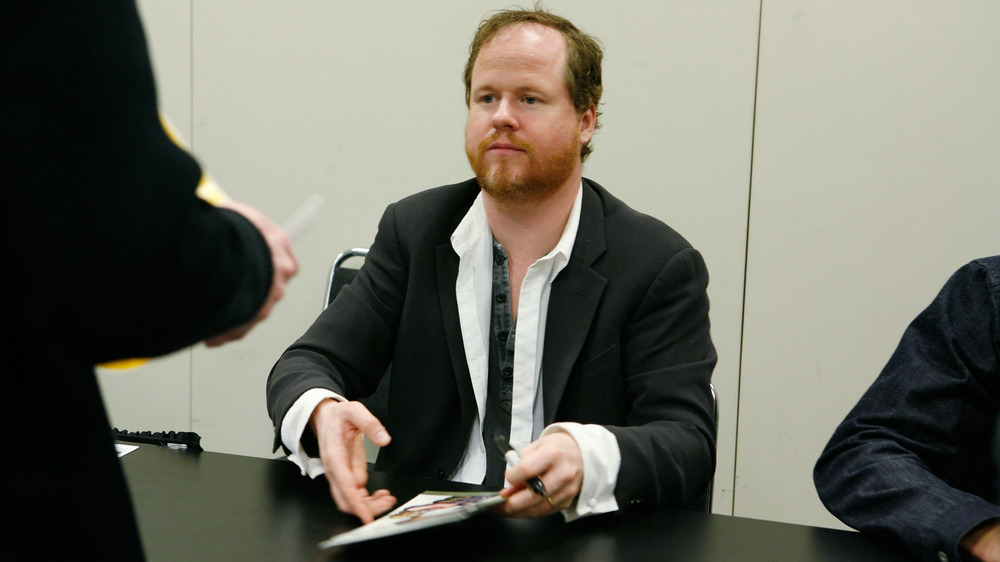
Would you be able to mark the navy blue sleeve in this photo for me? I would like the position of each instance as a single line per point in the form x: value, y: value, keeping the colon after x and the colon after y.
x: 914, y: 459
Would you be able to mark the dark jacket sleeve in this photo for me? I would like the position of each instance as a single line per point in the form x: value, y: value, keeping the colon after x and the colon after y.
x: 668, y: 445
x: 111, y: 251
x: 914, y: 460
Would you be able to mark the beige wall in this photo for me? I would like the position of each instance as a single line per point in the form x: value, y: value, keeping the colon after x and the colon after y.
x: 834, y: 162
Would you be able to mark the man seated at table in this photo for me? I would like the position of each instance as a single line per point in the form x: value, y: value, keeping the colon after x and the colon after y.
x: 916, y: 459
x: 604, y: 391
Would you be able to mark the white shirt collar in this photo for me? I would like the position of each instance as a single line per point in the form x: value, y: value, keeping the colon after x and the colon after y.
x: 474, y: 225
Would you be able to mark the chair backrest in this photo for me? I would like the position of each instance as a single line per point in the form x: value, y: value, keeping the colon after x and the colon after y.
x: 340, y: 274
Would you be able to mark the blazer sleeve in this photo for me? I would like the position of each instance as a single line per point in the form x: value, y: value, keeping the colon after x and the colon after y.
x: 913, y: 460
x: 668, y: 445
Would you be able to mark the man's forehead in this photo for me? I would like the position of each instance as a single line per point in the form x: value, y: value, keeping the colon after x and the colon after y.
x: 531, y: 33
x: 531, y: 44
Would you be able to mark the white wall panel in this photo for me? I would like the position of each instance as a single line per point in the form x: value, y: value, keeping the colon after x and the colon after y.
x: 875, y: 176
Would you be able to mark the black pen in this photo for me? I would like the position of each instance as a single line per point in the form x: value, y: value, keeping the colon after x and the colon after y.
x: 512, y: 458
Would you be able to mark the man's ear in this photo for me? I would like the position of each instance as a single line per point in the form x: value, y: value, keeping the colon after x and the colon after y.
x: 588, y: 122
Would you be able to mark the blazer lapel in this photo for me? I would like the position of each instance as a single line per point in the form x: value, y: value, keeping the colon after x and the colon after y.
x: 576, y: 292
x: 447, y: 273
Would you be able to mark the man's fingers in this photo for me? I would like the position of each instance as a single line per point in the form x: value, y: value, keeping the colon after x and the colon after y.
x: 339, y: 427
x: 349, y: 476
x: 346, y: 483
x: 355, y: 502
x: 359, y: 460
x: 556, y: 460
x: 381, y: 501
x: 525, y: 503
x: 358, y: 502
x: 358, y: 415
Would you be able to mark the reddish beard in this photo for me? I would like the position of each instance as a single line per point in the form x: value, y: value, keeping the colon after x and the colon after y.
x: 506, y: 182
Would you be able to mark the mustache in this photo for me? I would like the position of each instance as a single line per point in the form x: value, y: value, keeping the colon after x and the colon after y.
x: 517, y: 143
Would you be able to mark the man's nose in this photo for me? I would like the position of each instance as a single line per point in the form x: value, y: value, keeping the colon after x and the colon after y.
x: 504, y: 118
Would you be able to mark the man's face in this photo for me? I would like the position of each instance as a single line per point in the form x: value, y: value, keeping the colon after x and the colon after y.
x: 523, y: 135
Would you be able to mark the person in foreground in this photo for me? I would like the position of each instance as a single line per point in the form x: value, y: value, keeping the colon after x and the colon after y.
x: 107, y: 253
x: 605, y: 390
x: 917, y: 457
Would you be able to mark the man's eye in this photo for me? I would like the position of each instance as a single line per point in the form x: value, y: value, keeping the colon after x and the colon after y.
x: 489, y: 99
x: 530, y: 100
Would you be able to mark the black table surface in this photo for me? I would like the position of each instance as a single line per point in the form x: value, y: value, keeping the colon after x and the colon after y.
x: 214, y: 506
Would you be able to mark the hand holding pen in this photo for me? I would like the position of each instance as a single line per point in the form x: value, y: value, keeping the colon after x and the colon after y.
x: 513, y: 458
x: 555, y: 458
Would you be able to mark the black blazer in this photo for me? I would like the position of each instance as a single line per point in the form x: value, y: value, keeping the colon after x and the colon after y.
x: 627, y: 344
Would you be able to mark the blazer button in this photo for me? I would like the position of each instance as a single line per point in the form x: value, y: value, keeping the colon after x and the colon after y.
x: 441, y: 473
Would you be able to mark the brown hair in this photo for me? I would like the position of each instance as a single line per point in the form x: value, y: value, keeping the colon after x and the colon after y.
x: 583, y: 57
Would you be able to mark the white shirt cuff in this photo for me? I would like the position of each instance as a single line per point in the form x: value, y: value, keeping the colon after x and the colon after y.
x: 601, y: 459
x: 294, y: 424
